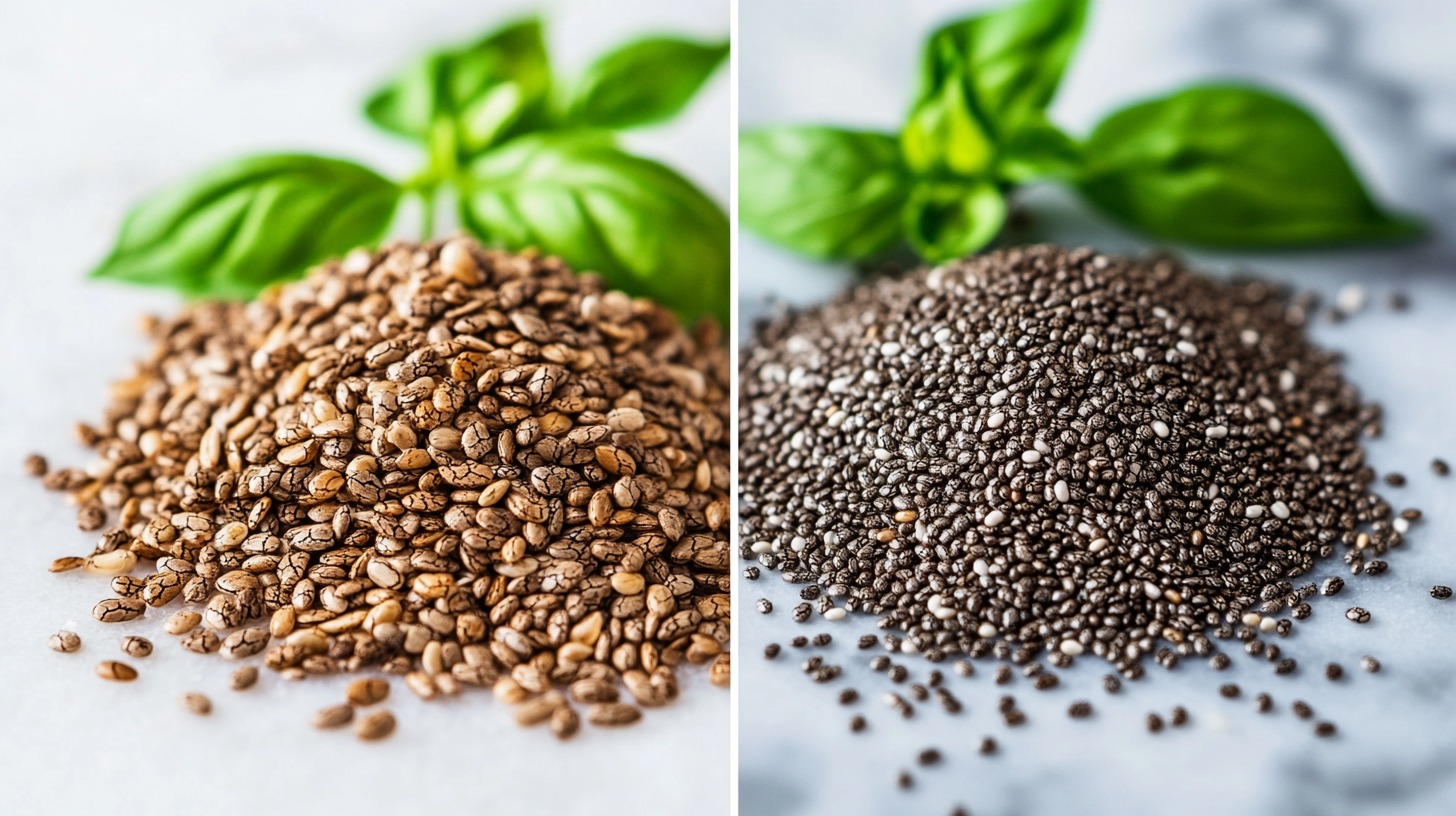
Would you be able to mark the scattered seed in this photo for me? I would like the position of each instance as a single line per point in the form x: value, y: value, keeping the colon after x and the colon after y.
x: 35, y: 465
x: 366, y: 691
x: 115, y: 670
x: 904, y: 781
x: 1324, y: 729
x: 333, y: 717
x: 1441, y: 593
x: 857, y: 724
x: 1229, y: 690
x: 375, y: 725
x: 1111, y: 684
x: 848, y: 697
x: 1370, y: 664
x: 1155, y: 723
x: 245, y: 678
x: 1440, y: 468
x: 136, y: 646
x: 929, y: 757
x: 1332, y: 586
x: 1179, y: 717
x: 197, y: 703
x: 1357, y: 614
x: 1334, y: 671
x: 765, y: 605
x: 67, y: 563
x: 612, y: 714
x: 1079, y: 710
x: 771, y: 651
x: 65, y: 641
x: 1301, y: 709
x: 1263, y: 703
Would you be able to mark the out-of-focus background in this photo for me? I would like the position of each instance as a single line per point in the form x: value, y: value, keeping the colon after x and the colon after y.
x: 104, y: 102
x: 1383, y: 77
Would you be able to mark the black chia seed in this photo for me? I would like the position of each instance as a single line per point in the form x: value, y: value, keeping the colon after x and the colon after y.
x: 995, y: 413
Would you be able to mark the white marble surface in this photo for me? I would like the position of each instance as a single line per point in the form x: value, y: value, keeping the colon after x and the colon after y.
x: 1383, y: 75
x: 103, y: 101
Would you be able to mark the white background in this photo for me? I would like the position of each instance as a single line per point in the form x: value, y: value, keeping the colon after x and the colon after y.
x: 1384, y: 75
x: 101, y: 102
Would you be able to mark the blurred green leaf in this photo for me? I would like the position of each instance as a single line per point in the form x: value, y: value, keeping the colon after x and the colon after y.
x: 643, y: 82
x: 950, y: 219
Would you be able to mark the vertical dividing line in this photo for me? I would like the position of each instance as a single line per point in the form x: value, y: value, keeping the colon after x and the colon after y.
x: 735, y: 691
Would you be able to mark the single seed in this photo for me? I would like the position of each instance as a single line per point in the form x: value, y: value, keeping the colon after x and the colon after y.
x: 67, y: 563
x: 1301, y: 709
x: 1229, y: 690
x: 366, y: 691
x: 1440, y: 592
x: 245, y: 678
x: 1324, y: 729
x: 115, y: 670
x: 928, y: 757
x: 375, y: 725
x: 65, y: 641
x: 1079, y: 710
x: 987, y: 747
x: 1357, y: 614
x: 1440, y: 468
x: 197, y: 703
x: 1155, y: 723
x: 333, y: 717
x: 1369, y: 664
x: 1179, y: 717
x: 857, y: 723
x: 1334, y: 671
x: 136, y: 646
x: 771, y: 651
x: 1263, y: 703
x: 180, y: 623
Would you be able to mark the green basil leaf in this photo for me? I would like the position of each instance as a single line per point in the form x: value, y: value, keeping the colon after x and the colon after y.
x: 234, y: 230
x: 1039, y: 150
x: 945, y: 220
x: 1231, y: 166
x: 644, y: 228
x: 486, y: 90
x: 643, y: 82
x: 1013, y: 57
x: 822, y: 191
x: 945, y: 133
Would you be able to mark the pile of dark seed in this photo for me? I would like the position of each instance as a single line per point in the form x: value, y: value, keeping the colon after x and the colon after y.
x: 1052, y: 449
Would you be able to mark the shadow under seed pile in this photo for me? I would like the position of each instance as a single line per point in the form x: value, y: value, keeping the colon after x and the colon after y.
x: 1053, y: 449
x: 462, y: 466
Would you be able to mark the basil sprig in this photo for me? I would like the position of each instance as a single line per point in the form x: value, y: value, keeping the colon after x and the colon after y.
x: 1219, y: 165
x: 532, y: 162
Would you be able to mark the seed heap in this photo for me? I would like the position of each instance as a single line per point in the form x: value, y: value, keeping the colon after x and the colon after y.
x: 1043, y: 448
x: 458, y: 465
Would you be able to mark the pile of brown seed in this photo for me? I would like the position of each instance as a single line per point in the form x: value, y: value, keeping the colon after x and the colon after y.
x: 461, y: 466
x: 1052, y: 449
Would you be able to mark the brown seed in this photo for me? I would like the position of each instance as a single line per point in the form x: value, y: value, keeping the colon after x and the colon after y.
x: 367, y: 691
x: 375, y: 725
x: 539, y: 710
x: 333, y: 716
x: 612, y: 714
x: 197, y: 703
x: 136, y: 646
x: 721, y: 672
x: 245, y: 678
x: 565, y: 722
x: 65, y: 641
x: 35, y: 465
x: 115, y: 670
x: 67, y: 563
x: 180, y: 623
x: 117, y: 610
